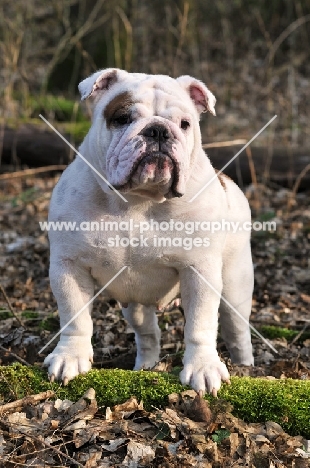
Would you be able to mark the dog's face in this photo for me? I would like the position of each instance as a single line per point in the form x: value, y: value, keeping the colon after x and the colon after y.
x: 145, y: 131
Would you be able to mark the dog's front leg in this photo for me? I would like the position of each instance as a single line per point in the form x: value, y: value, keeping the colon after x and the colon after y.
x: 203, y: 369
x: 73, y: 288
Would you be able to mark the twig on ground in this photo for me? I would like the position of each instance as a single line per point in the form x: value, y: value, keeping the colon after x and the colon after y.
x: 297, y: 183
x: 253, y: 177
x: 15, y: 356
x: 166, y: 356
x: 306, y: 325
x: 10, y: 306
x: 37, y: 170
x: 42, y: 441
x: 28, y: 400
x: 220, y: 144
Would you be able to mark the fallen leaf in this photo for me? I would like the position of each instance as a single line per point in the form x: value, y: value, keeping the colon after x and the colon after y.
x: 136, y: 453
x: 199, y: 410
x: 113, y: 445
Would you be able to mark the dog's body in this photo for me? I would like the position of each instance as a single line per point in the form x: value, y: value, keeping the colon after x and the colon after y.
x: 145, y: 140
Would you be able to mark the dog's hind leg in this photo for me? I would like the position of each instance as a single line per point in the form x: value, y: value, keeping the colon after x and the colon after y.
x: 143, y: 321
x: 237, y: 291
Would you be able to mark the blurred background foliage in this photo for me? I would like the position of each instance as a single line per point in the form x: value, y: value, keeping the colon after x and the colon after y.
x: 253, y: 54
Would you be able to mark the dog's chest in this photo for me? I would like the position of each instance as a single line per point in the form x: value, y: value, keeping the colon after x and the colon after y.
x: 144, y: 277
x: 151, y: 267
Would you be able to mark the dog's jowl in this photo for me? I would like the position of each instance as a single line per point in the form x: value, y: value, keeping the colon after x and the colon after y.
x: 146, y: 163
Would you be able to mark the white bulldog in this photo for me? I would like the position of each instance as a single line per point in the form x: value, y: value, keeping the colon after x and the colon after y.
x: 145, y: 141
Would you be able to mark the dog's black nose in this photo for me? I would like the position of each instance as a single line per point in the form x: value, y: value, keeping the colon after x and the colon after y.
x: 157, y: 132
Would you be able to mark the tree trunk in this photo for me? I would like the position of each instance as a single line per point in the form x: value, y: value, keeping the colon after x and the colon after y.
x: 33, y: 147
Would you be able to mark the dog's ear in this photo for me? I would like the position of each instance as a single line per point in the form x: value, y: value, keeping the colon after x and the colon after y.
x: 98, y: 82
x: 203, y: 99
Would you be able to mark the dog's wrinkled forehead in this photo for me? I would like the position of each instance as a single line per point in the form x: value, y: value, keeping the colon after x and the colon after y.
x: 147, y: 98
x: 112, y: 88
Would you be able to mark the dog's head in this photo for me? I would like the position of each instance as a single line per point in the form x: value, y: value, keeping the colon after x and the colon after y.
x: 145, y: 133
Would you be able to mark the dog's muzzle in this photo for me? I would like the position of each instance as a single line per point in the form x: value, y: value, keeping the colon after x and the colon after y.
x: 156, y: 166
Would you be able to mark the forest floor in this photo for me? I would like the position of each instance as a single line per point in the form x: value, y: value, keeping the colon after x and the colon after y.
x: 129, y: 435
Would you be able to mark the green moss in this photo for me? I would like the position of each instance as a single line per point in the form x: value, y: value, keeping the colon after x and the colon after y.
x: 63, y: 109
x: 77, y: 130
x: 51, y: 323
x: 112, y: 386
x: 286, y: 402
x: 30, y: 314
x: 17, y: 381
x: 5, y: 314
x: 220, y: 435
x: 266, y: 216
x: 272, y: 332
x: 25, y: 196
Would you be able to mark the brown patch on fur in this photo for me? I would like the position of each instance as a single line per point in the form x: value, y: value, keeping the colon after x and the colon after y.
x: 120, y: 104
x: 221, y: 176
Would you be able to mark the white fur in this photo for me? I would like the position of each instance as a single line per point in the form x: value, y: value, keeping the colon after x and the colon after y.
x: 154, y: 276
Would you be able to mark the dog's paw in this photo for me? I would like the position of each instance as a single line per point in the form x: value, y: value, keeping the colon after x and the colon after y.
x: 65, y: 363
x: 148, y: 350
x: 243, y: 357
x: 146, y: 362
x: 205, y: 374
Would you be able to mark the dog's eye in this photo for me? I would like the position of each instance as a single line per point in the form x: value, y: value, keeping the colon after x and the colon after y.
x: 185, y: 124
x: 122, y: 119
